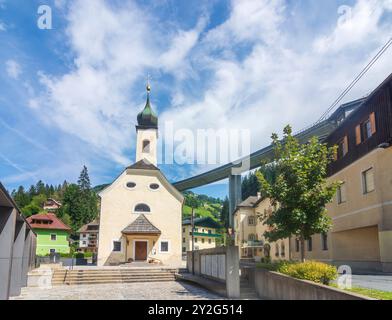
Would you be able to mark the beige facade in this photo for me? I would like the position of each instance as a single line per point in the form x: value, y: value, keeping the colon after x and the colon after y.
x: 361, y: 235
x: 204, y: 237
x: 249, y: 232
x: 141, y: 212
x: 146, y: 145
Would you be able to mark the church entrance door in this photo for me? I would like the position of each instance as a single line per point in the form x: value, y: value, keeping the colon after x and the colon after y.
x: 140, y: 250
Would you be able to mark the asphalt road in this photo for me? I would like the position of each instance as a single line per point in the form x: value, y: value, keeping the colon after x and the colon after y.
x: 379, y: 282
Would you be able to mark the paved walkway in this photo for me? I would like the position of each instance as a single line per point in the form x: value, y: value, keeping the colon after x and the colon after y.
x: 172, y: 290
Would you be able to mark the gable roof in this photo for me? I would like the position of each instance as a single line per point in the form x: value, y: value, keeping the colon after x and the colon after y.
x: 144, y: 167
x: 250, y: 202
x: 143, y: 164
x: 141, y: 226
x: 90, y: 227
x: 203, y: 222
x: 54, y: 223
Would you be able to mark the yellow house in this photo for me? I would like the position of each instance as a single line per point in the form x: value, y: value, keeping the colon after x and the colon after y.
x: 141, y: 212
x: 205, y: 234
x: 249, y: 231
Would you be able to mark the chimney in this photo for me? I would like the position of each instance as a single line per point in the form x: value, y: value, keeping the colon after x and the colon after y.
x: 258, y: 195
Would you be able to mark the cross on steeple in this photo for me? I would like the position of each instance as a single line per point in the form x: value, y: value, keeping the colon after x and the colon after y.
x: 148, y: 87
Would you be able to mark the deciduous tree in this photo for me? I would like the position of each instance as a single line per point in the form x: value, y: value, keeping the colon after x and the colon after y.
x: 300, y: 191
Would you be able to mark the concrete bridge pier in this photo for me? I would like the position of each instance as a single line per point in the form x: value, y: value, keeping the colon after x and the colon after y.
x: 235, y: 195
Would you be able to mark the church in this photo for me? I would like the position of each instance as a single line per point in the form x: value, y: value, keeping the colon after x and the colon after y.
x: 141, y: 212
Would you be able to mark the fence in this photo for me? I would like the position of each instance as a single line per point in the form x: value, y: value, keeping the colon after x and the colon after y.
x: 217, y: 264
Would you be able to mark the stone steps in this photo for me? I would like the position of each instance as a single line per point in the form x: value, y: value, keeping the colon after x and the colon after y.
x: 247, y: 292
x: 101, y: 276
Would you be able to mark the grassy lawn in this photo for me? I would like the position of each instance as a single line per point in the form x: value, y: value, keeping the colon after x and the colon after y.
x: 371, y: 293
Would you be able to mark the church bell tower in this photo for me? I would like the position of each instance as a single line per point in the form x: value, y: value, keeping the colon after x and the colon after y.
x: 147, y: 133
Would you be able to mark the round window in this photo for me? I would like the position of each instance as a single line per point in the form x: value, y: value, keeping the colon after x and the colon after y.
x: 154, y: 186
x: 131, y: 185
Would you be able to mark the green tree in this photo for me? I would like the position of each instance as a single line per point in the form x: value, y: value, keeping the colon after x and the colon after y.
x: 79, y: 201
x: 225, y: 213
x: 84, y: 180
x: 30, y: 210
x: 21, y: 197
x: 300, y: 190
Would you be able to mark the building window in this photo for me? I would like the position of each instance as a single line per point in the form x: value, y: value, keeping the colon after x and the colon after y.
x: 342, y: 193
x: 276, y: 250
x: 209, y: 231
x: 131, y: 185
x: 324, y: 241
x: 183, y: 240
x: 202, y: 240
x: 342, y: 147
x: 154, y: 186
x: 53, y: 237
x: 368, y: 181
x: 183, y: 230
x: 52, y: 251
x: 183, y: 249
x: 282, y: 249
x: 251, y: 221
x: 164, y: 248
x: 209, y: 241
x: 195, y: 240
x: 310, y: 244
x: 296, y: 245
x: 146, y: 146
x: 84, y: 242
x: 251, y: 237
x: 142, y: 208
x: 116, y: 246
x: 366, y: 129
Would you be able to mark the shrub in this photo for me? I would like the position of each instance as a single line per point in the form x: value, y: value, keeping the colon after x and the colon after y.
x: 79, y: 255
x: 272, y: 266
x: 310, y: 270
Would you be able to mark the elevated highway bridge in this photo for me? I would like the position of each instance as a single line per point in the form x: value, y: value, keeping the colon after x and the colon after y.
x: 233, y: 171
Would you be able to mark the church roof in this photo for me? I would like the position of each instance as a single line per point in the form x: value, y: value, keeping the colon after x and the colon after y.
x: 143, y: 164
x: 141, y: 226
x: 147, y: 119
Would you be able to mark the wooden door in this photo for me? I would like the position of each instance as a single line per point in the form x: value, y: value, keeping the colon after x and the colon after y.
x: 140, y: 250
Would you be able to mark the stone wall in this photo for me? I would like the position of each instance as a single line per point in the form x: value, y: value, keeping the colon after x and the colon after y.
x: 275, y: 286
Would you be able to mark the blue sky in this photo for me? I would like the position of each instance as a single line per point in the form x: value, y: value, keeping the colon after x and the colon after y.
x: 69, y: 96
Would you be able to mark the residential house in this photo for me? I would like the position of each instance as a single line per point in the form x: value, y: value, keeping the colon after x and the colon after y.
x: 51, y: 205
x: 88, y: 236
x: 205, y: 234
x: 249, y: 231
x: 361, y: 212
x: 52, y: 234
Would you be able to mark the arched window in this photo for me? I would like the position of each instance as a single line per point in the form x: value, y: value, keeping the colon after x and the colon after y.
x: 282, y: 250
x: 141, y: 207
x: 146, y: 146
x: 276, y: 250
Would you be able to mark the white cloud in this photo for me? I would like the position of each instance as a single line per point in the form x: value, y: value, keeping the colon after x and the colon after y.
x: 356, y: 25
x: 3, y: 26
x: 262, y: 87
x: 13, y: 69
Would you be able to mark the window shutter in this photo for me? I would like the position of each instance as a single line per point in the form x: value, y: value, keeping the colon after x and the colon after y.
x: 358, y: 134
x: 373, y: 122
x: 345, y: 145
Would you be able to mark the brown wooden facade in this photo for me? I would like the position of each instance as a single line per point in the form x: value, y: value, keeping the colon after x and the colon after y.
x: 377, y: 109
